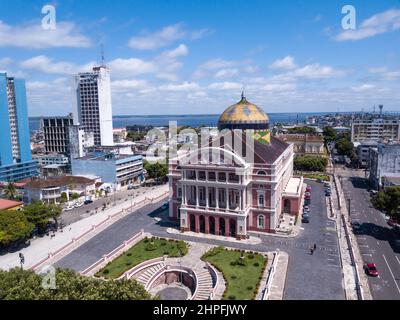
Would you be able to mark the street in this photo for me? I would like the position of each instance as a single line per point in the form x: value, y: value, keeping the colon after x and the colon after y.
x: 316, y: 276
x: 377, y: 242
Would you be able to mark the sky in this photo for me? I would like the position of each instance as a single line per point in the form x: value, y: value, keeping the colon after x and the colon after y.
x: 196, y: 56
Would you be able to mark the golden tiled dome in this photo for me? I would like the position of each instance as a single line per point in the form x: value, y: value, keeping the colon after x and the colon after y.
x: 243, y: 115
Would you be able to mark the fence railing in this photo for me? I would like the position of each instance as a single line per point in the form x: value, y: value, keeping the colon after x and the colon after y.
x: 271, y: 274
x: 215, y: 278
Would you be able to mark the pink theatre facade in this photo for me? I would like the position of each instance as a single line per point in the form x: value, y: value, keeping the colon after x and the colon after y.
x: 231, y: 200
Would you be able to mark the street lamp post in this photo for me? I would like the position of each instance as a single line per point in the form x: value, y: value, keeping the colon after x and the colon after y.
x: 21, y: 260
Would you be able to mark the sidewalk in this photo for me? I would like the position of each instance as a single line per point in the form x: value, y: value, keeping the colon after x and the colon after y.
x: 40, y: 248
x: 278, y: 282
x: 350, y: 271
x: 251, y: 240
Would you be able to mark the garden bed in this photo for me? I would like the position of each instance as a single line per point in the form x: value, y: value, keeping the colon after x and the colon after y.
x: 148, y: 248
x: 242, y: 271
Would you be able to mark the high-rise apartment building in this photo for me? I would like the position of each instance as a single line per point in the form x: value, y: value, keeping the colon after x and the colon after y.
x: 93, y: 110
x: 15, y: 152
x: 55, y: 130
x: 375, y: 129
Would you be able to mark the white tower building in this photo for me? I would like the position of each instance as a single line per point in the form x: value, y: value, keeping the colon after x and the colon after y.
x: 92, y: 99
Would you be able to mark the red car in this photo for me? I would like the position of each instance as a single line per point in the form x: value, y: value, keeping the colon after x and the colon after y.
x: 371, y: 270
x: 308, y: 189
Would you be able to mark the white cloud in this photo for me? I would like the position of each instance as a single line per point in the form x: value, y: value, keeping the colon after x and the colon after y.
x: 165, y: 37
x: 225, y: 86
x: 286, y: 63
x: 180, y: 51
x: 277, y: 87
x: 47, y: 65
x: 131, y: 67
x: 185, y: 86
x: 122, y: 85
x: 364, y: 87
x: 217, y: 64
x: 226, y: 73
x: 34, y: 36
x: 385, y: 74
x: 316, y: 71
x: 377, y: 24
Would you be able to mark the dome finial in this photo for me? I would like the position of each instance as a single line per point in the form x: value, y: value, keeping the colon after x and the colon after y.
x: 243, y: 97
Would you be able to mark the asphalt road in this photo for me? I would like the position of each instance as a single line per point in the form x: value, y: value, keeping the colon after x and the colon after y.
x: 68, y: 217
x: 377, y: 242
x: 316, y: 276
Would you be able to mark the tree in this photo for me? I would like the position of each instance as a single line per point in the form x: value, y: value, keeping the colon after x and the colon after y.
x: 40, y: 214
x: 75, y: 196
x: 329, y: 134
x: 17, y: 284
x: 10, y: 191
x: 156, y: 170
x: 13, y: 227
x: 388, y: 201
x: 310, y: 163
x: 64, y: 197
x: 305, y: 129
x: 344, y: 147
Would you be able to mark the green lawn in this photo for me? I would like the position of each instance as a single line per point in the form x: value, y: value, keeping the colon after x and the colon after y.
x: 241, y: 280
x: 142, y: 251
x: 323, y: 177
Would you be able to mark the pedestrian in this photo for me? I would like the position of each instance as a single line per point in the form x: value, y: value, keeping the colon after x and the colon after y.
x: 311, y: 250
x: 315, y: 246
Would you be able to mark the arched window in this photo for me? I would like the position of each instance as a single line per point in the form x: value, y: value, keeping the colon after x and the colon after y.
x: 261, y: 222
x: 261, y: 173
x: 261, y: 200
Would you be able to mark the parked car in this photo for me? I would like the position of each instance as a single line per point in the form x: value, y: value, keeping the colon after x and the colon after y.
x: 88, y: 202
x: 327, y: 184
x: 305, y: 219
x: 307, y: 202
x: 308, y: 189
x: 356, y: 226
x: 327, y: 193
x: 307, y: 193
x: 130, y: 187
x: 306, y: 208
x: 306, y: 197
x: 371, y: 270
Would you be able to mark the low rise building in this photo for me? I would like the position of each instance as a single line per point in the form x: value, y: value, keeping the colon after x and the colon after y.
x: 116, y: 169
x: 363, y: 151
x: 10, y: 205
x: 384, y: 163
x: 305, y: 143
x: 49, y: 190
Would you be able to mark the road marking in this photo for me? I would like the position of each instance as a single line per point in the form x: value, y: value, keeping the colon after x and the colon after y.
x: 366, y: 254
x: 397, y: 259
x: 378, y: 243
x: 394, y: 279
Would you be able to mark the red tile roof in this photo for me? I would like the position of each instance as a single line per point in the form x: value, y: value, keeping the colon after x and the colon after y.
x: 8, y: 204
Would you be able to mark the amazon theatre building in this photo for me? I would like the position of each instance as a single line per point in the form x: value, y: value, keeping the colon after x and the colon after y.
x: 224, y: 190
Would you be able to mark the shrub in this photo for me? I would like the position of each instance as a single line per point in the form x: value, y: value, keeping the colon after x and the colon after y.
x: 129, y: 254
x: 106, y: 271
x: 250, y: 256
x: 163, y: 243
x: 249, y: 288
x: 233, y: 277
x: 232, y: 297
x: 151, y: 246
x: 146, y: 240
x: 256, y: 264
x: 233, y: 263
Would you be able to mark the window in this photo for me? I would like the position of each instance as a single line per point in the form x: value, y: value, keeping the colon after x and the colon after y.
x: 261, y: 222
x: 261, y: 173
x: 261, y: 200
x: 179, y: 193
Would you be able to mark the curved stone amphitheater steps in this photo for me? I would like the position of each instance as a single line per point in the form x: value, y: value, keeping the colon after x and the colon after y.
x: 204, y: 284
x: 144, y: 277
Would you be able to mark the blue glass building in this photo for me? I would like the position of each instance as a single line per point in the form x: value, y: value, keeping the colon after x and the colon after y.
x: 15, y: 152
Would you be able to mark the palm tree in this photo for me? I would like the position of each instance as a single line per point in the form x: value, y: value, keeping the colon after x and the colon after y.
x: 10, y: 190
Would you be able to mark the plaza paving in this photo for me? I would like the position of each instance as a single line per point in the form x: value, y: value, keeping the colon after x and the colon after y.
x: 316, y: 276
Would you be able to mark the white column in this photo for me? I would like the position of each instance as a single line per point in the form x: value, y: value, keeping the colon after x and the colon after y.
x: 216, y: 198
x: 240, y: 199
x: 197, y: 195
x: 207, y: 197
x: 226, y: 198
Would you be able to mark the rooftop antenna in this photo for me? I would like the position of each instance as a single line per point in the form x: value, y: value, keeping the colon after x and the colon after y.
x: 242, y: 92
x: 102, y: 55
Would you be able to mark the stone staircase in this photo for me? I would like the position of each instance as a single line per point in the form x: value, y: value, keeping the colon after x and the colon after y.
x: 204, y: 284
x: 149, y: 273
